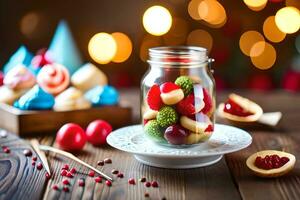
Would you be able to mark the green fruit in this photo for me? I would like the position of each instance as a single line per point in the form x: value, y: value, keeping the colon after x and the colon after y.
x: 185, y: 83
x: 154, y: 131
x: 167, y: 116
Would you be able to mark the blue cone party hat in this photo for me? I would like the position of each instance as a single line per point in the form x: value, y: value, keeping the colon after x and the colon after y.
x: 21, y: 56
x: 63, y: 48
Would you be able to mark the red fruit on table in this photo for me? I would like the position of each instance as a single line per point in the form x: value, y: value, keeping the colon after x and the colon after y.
x: 97, y: 131
x: 176, y: 134
x: 71, y: 137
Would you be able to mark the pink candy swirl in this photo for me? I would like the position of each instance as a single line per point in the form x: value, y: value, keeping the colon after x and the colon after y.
x: 53, y: 78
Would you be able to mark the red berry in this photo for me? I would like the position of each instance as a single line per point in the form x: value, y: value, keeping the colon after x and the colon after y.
x: 66, y: 189
x: 131, y: 181
x: 97, y: 132
x: 66, y: 167
x: 34, y: 158
x: 146, y: 194
x: 98, y: 179
x: 168, y: 87
x: 33, y: 163
x: 27, y: 152
x: 39, y: 166
x: 154, y: 184
x: 91, y: 174
x: 147, y: 184
x: 108, y: 183
x: 69, y: 175
x: 210, y: 128
x: 187, y: 105
x: 107, y: 160
x: 63, y: 172
x: 48, y: 176
x: 120, y: 175
x: 81, y: 182
x: 175, y: 134
x: 71, y: 137
x: 114, y: 171
x: 153, y: 98
x: 73, y: 170
x: 66, y: 182
x: 207, y: 102
x: 5, y: 149
x: 55, y: 187
x: 143, y: 179
x: 100, y: 163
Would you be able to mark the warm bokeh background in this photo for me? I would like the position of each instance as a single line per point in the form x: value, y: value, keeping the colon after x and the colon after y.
x: 33, y: 22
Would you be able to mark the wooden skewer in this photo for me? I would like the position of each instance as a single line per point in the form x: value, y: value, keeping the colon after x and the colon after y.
x: 35, y: 145
x: 71, y: 156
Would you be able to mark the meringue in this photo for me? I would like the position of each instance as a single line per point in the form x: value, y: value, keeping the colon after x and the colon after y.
x: 8, y: 95
x: 71, y: 99
x: 87, y: 77
x: 35, y: 99
x: 106, y: 95
x: 19, y: 77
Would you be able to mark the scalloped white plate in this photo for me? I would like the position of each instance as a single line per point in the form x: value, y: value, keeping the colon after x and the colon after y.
x: 225, y: 139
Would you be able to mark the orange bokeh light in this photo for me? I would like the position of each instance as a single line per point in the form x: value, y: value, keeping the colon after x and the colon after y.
x: 256, y: 5
x: 248, y: 39
x: 212, y: 12
x: 124, y: 47
x: 271, y: 30
x: 200, y: 38
x: 193, y: 9
x: 267, y: 58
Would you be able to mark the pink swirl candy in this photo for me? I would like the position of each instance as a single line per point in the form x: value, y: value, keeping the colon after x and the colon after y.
x: 53, y: 78
x: 19, y: 77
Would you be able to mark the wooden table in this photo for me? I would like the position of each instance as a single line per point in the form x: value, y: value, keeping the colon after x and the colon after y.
x: 228, y: 179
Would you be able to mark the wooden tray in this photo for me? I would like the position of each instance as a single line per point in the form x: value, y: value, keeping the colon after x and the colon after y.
x: 40, y: 122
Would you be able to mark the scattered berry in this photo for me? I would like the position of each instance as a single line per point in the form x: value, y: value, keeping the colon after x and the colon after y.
x: 153, y: 98
x: 143, y: 179
x: 66, y: 182
x: 55, y: 187
x: 107, y: 160
x: 27, y: 152
x: 63, y: 172
x: 33, y: 163
x: 5, y: 149
x: 48, y: 176
x: 114, y: 171
x: 163, y: 198
x: 98, y: 179
x: 66, y: 189
x: 81, y: 182
x: 73, y: 170
x: 69, y: 175
x: 66, y: 167
x: 34, y: 158
x: 91, y: 174
x: 147, y: 184
x: 39, y: 166
x: 146, y: 194
x: 120, y: 175
x: 154, y: 184
x: 108, y: 183
x: 97, y: 132
x: 270, y: 161
x: 167, y: 116
x: 100, y: 163
x: 131, y: 181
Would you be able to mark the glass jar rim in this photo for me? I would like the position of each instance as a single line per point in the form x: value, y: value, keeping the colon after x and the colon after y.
x: 178, y: 55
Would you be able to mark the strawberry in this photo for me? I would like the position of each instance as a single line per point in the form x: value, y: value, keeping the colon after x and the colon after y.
x: 210, y: 128
x: 153, y: 98
x: 186, y: 106
x: 168, y: 87
x: 207, y: 101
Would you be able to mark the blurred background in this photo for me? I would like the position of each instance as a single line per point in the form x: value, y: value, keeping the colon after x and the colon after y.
x: 256, y: 43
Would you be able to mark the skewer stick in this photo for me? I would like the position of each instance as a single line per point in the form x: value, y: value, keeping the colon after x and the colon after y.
x: 35, y: 145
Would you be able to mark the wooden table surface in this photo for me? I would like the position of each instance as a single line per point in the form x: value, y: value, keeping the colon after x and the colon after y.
x: 228, y: 179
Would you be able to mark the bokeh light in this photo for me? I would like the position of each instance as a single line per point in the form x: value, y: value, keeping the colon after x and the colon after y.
x: 102, y: 48
x: 212, y: 12
x: 256, y: 5
x: 178, y: 32
x: 248, y: 39
x: 200, y: 38
x: 271, y: 30
x: 288, y: 19
x: 29, y: 24
x: 193, y: 9
x: 297, y: 43
x: 267, y: 58
x: 149, y: 41
x: 294, y: 3
x: 157, y: 20
x: 124, y: 47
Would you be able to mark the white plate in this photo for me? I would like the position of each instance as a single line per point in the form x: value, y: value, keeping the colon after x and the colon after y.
x: 225, y: 139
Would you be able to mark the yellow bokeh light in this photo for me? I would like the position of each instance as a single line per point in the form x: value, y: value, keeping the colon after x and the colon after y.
x: 157, y: 20
x: 271, y: 30
x: 267, y: 58
x: 102, y: 48
x: 29, y: 24
x: 256, y: 5
x: 200, y: 38
x: 288, y: 19
x: 124, y: 47
x: 178, y: 32
x: 212, y: 12
x: 193, y: 9
x: 248, y: 39
x: 149, y: 41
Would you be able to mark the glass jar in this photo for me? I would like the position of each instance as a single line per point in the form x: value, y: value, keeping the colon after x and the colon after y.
x: 178, y: 96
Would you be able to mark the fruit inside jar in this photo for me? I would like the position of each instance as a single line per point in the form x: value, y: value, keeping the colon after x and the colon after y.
x: 178, y: 112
